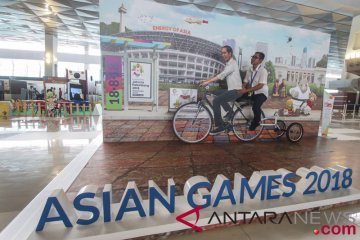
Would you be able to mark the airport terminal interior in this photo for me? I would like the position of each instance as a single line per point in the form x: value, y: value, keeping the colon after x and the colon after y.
x: 70, y: 119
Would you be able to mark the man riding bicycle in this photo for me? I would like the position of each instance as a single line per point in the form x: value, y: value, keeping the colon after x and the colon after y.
x: 232, y: 75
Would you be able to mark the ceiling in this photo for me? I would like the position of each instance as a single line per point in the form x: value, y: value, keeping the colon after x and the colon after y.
x: 77, y: 21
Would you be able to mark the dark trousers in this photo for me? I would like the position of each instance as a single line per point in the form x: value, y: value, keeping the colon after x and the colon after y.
x: 258, y: 100
x: 222, y: 98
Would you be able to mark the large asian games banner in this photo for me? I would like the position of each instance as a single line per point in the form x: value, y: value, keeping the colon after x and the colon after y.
x: 188, y: 41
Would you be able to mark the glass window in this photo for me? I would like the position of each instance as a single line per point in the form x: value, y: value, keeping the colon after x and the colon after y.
x: 29, y: 46
x: 71, y: 49
x: 94, y: 72
x: 6, y: 67
x: 182, y: 58
x: 21, y: 67
x: 94, y: 51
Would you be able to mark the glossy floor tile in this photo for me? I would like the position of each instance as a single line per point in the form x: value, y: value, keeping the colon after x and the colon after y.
x: 33, y: 151
x: 119, y: 163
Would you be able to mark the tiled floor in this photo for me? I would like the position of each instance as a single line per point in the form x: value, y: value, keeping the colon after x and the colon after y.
x: 342, y: 130
x: 118, y: 163
x: 43, y: 148
x: 33, y: 151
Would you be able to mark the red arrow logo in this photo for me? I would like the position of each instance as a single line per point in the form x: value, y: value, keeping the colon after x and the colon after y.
x: 181, y: 219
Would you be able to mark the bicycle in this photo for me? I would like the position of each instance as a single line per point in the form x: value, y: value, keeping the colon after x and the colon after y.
x: 193, y: 121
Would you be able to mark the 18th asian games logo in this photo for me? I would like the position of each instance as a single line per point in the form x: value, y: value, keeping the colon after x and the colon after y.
x: 137, y: 70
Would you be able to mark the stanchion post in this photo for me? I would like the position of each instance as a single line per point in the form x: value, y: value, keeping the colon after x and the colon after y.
x: 71, y: 106
x: 83, y: 108
x: 65, y: 110
x: 25, y: 108
x: 18, y: 108
x: 32, y: 108
x: 39, y: 109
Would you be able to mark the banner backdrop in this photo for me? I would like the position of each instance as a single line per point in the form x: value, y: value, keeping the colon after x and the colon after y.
x: 112, y: 72
x: 187, y: 41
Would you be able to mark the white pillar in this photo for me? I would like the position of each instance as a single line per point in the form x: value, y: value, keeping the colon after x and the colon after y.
x: 50, y: 54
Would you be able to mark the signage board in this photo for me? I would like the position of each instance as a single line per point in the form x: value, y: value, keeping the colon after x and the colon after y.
x: 113, y: 87
x: 328, y: 106
x: 92, y: 213
x: 141, y: 81
x: 180, y: 96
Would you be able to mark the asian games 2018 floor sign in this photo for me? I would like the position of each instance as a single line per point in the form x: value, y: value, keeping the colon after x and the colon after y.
x: 264, y: 195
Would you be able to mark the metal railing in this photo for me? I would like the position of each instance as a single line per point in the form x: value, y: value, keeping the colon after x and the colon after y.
x: 41, y: 108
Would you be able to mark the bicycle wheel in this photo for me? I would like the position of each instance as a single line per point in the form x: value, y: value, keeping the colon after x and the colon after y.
x: 192, y: 122
x: 241, y: 122
x: 295, y: 132
x: 277, y: 130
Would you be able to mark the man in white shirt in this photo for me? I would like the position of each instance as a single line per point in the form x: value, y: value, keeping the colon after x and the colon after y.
x: 232, y: 75
x: 256, y: 86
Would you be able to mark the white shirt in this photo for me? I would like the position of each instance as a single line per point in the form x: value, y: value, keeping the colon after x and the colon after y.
x: 232, y: 74
x: 259, y: 75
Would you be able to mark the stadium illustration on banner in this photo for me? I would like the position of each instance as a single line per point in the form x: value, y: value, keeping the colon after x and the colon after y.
x: 188, y: 43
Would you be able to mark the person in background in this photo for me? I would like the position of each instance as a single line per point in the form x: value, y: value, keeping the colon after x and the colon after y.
x: 81, y: 95
x: 49, y: 93
x: 60, y: 94
x: 37, y: 95
x: 276, y: 88
x: 282, y: 89
x: 31, y: 93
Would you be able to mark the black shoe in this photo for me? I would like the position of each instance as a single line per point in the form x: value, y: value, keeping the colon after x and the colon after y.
x: 228, y: 116
x: 253, y: 126
x: 217, y: 130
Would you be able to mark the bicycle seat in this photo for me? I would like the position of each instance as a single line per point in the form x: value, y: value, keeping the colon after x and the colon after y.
x: 243, y: 101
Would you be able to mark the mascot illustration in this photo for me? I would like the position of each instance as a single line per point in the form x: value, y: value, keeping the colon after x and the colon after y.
x: 301, y: 102
x: 300, y: 93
